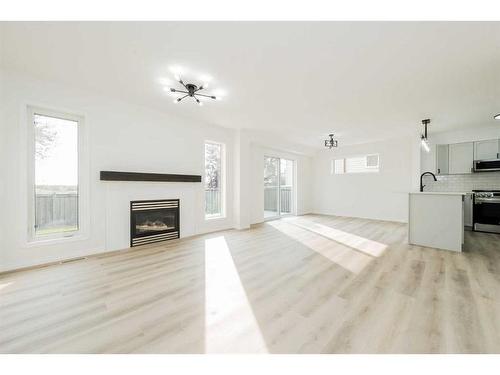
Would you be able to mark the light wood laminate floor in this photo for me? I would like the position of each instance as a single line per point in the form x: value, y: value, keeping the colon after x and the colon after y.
x: 311, y: 284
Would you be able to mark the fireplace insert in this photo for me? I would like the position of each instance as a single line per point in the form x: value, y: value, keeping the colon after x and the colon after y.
x: 153, y: 221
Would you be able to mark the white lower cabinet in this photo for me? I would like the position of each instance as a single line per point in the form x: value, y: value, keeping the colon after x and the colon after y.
x: 436, y: 220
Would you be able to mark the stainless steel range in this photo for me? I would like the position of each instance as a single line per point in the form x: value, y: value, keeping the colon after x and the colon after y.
x: 486, y: 211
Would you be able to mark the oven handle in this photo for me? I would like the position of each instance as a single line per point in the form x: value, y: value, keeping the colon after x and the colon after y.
x: 487, y: 200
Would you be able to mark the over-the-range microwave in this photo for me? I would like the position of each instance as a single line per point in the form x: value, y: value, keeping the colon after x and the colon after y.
x: 490, y: 165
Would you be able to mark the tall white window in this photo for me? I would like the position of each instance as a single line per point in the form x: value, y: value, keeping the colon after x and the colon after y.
x: 54, y: 183
x: 214, y: 180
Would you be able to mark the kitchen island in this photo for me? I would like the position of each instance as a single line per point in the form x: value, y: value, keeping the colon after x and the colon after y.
x: 436, y: 219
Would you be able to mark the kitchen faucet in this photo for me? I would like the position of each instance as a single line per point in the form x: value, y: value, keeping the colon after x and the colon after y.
x: 422, y: 175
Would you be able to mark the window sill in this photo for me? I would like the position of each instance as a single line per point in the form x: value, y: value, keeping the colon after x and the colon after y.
x: 55, y: 241
x: 215, y: 217
x: 355, y: 173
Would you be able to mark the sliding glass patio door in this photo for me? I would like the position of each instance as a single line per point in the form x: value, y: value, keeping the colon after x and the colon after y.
x: 278, y: 187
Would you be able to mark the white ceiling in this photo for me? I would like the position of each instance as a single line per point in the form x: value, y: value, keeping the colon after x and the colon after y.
x: 362, y: 80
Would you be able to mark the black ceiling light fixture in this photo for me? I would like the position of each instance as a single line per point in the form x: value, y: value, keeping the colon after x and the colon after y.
x: 331, y: 143
x: 192, y: 91
x: 423, y: 137
x: 497, y: 117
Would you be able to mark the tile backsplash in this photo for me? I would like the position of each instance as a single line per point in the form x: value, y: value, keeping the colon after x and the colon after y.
x: 463, y: 182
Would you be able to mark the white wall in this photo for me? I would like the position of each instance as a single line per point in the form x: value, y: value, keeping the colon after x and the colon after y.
x: 120, y: 137
x: 242, y: 180
x: 382, y: 196
x: 3, y: 157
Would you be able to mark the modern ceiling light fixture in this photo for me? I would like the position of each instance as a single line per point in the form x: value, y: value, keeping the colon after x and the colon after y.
x: 423, y: 137
x: 497, y: 117
x: 331, y: 143
x: 191, y: 90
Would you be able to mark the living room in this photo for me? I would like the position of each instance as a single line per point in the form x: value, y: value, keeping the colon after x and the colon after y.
x: 195, y: 187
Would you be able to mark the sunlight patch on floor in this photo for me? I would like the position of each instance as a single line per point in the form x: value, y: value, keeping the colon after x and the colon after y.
x: 230, y: 325
x: 3, y: 286
x: 362, y: 244
x: 347, y: 258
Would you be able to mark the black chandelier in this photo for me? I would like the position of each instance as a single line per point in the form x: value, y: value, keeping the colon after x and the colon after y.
x: 191, y: 90
x: 330, y: 143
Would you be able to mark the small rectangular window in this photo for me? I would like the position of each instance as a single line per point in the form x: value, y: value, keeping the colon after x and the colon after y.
x: 214, y: 180
x: 55, y: 208
x: 357, y: 164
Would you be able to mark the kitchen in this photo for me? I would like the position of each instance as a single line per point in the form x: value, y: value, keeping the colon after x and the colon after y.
x: 462, y: 192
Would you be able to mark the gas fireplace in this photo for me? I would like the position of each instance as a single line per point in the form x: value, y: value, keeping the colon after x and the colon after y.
x: 153, y: 221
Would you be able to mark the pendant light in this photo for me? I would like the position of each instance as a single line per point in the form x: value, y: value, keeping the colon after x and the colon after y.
x: 423, y: 138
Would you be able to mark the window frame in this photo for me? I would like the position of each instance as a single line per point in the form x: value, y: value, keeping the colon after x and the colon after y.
x: 374, y: 168
x: 334, y: 166
x: 222, y: 214
x: 367, y: 169
x: 37, y: 239
x: 294, y: 185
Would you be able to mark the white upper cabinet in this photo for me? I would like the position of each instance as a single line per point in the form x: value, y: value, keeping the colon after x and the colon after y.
x: 442, y: 166
x: 461, y: 157
x: 488, y: 149
x: 458, y: 158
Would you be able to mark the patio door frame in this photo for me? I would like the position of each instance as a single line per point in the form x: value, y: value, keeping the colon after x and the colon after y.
x: 279, y: 214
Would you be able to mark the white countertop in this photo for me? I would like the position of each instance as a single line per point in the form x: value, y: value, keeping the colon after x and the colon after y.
x: 438, y: 192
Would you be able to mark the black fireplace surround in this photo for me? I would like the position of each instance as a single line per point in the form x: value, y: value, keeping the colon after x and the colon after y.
x: 153, y: 221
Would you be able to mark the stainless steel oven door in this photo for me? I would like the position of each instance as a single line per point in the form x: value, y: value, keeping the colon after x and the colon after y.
x: 487, y: 214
